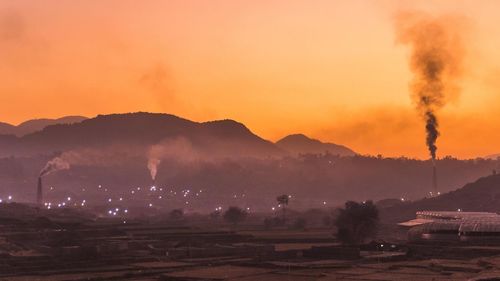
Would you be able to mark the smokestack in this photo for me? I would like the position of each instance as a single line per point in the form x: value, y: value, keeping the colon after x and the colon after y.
x: 434, y: 179
x: 39, y: 194
x: 436, y: 60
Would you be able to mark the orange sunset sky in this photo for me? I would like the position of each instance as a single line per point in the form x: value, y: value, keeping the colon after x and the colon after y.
x: 329, y: 69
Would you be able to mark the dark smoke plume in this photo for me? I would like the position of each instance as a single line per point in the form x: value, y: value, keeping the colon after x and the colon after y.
x: 431, y: 127
x: 436, y: 63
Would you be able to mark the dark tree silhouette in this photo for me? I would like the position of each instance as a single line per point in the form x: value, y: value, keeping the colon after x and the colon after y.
x: 300, y: 224
x: 176, y: 214
x: 356, y: 222
x: 215, y: 215
x: 283, y: 201
x: 235, y: 215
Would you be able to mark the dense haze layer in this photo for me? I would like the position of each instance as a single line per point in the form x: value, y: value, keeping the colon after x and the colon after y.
x: 123, y: 156
x: 279, y: 67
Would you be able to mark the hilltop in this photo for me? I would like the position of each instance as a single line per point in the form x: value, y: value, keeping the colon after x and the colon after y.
x: 35, y: 125
x: 301, y: 144
x: 482, y: 195
x: 140, y: 129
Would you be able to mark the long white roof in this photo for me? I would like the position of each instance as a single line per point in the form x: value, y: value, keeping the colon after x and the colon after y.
x: 461, y: 221
x: 455, y: 215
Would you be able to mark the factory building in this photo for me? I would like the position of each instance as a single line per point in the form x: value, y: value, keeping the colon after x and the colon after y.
x: 482, y: 227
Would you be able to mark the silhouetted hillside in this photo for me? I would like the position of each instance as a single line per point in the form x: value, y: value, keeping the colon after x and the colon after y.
x: 7, y: 129
x: 301, y: 144
x: 482, y: 195
x: 143, y: 130
x: 228, y: 136
x: 34, y: 125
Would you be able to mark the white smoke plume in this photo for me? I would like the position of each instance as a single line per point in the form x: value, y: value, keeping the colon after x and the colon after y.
x: 178, y: 150
x: 54, y: 165
x: 153, y: 164
x: 109, y: 156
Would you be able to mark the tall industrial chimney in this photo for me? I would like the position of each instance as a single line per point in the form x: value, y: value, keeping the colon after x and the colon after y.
x: 434, y: 180
x: 39, y: 194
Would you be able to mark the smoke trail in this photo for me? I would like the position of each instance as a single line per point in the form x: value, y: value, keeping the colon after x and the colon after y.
x: 176, y: 149
x: 431, y: 127
x: 107, y: 156
x: 153, y: 166
x: 436, y: 62
x: 54, y: 165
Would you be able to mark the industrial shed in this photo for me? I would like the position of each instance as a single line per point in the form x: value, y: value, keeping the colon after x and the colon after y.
x: 454, y: 226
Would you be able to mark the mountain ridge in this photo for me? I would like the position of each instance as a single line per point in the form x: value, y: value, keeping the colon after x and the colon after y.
x: 224, y: 136
x: 302, y: 144
x: 33, y: 125
x: 144, y: 129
